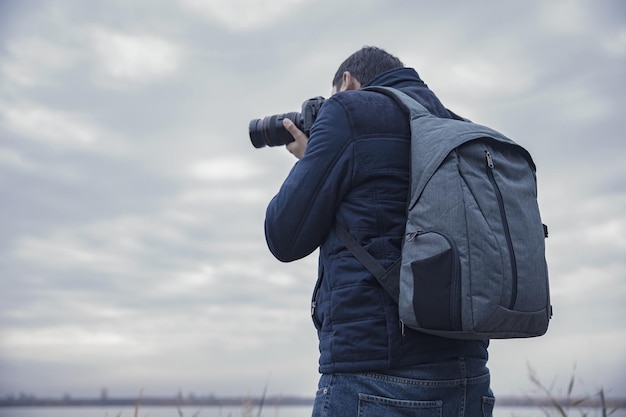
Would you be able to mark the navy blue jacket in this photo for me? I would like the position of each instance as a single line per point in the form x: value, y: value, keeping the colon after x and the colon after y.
x: 355, y: 171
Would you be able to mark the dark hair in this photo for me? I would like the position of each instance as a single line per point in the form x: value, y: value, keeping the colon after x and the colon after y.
x: 365, y: 64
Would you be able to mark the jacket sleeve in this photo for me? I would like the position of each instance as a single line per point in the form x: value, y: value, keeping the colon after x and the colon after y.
x: 300, y: 216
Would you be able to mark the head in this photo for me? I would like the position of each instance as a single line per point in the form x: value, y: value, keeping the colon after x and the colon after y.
x: 362, y: 67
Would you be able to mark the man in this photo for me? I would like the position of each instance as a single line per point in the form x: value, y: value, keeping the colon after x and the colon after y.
x: 354, y: 170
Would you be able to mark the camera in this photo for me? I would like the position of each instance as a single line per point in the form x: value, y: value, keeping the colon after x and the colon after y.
x: 269, y: 131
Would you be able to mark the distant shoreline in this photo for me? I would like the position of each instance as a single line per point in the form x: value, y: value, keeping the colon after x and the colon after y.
x: 157, y: 401
x: 272, y: 401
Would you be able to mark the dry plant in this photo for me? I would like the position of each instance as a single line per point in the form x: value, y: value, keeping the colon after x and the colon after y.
x: 246, y: 411
x: 563, y: 406
x: 248, y: 406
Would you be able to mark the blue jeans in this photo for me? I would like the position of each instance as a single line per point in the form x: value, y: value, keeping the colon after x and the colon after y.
x: 458, y: 388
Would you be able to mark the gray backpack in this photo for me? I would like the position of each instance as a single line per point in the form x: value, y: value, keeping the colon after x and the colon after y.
x: 473, y: 259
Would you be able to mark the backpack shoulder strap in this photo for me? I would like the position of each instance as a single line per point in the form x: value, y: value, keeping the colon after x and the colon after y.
x: 389, y: 278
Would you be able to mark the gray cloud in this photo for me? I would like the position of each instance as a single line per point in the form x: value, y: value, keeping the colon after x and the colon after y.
x: 132, y: 254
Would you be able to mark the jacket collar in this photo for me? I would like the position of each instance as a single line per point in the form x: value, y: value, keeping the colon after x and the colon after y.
x: 410, y: 82
x: 397, y: 78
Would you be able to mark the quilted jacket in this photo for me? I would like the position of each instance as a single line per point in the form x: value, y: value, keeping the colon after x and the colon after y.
x: 355, y: 172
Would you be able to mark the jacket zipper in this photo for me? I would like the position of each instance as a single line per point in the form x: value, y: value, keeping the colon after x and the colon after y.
x: 318, y: 284
x: 505, y: 224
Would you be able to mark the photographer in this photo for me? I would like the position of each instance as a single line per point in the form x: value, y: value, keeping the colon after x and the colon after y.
x: 353, y: 169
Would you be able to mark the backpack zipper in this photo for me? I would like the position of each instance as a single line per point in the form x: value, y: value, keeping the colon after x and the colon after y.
x: 505, y: 224
x: 455, y: 302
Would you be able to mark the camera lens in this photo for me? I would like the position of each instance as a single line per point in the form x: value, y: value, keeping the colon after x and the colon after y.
x: 269, y: 131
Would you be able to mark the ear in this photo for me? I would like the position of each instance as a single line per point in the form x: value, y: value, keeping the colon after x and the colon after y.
x: 349, y: 82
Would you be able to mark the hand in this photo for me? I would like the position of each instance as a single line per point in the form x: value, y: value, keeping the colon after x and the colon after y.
x: 299, y: 145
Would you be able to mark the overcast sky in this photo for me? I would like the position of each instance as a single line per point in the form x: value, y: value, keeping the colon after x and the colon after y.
x: 132, y: 253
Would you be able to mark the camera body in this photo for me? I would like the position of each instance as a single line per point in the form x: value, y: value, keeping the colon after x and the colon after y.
x: 270, y: 131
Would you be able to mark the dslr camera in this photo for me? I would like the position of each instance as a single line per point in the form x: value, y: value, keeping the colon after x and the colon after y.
x: 269, y: 131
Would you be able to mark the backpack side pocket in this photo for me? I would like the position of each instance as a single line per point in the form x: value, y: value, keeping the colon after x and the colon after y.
x: 430, y: 284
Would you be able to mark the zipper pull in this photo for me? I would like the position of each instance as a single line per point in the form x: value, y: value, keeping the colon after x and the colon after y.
x: 489, y: 159
x: 402, y: 328
x: 413, y: 235
x: 313, y: 304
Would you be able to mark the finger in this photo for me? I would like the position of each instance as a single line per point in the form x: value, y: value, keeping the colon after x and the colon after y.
x: 289, y: 126
x: 287, y: 123
x: 296, y: 149
x: 293, y: 129
x: 292, y: 147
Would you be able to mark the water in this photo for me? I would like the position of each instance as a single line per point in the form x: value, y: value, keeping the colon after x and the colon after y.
x: 282, y: 411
